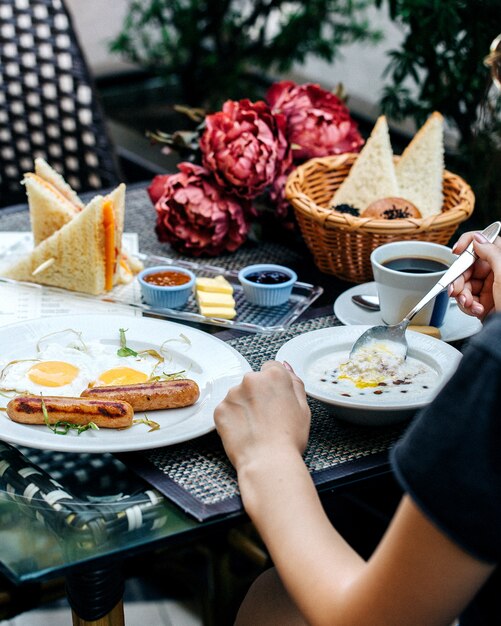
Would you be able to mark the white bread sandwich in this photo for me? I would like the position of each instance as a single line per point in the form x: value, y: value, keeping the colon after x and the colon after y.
x: 52, y: 202
x: 420, y: 169
x: 83, y: 255
x: 372, y: 176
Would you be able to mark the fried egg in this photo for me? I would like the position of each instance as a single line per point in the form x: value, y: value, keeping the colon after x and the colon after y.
x: 112, y: 369
x: 69, y: 370
x: 55, y: 370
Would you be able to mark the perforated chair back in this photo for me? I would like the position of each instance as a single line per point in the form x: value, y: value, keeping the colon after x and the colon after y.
x: 48, y: 105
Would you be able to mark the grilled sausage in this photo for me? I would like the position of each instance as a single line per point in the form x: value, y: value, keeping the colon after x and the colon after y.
x: 165, y: 394
x: 81, y: 411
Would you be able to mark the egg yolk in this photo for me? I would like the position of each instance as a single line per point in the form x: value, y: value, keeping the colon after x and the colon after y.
x: 122, y: 376
x: 53, y: 373
x: 361, y: 383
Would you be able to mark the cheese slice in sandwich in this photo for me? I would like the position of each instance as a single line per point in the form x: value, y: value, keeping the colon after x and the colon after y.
x: 420, y: 169
x: 52, y: 202
x: 84, y: 255
x: 372, y: 176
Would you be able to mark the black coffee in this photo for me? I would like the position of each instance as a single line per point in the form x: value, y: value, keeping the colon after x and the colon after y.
x: 416, y: 265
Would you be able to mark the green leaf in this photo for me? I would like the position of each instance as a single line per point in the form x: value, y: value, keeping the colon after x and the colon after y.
x: 145, y: 420
x: 63, y: 427
x: 124, y: 350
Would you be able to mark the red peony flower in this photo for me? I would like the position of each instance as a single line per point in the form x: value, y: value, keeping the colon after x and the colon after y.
x: 277, y: 195
x: 156, y: 188
x: 194, y: 215
x: 244, y: 147
x: 318, y: 123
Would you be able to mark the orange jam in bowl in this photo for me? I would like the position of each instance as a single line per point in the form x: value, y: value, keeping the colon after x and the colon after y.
x: 166, y: 286
x: 167, y: 278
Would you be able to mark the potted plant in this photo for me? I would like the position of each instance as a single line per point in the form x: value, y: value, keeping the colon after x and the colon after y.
x: 222, y: 49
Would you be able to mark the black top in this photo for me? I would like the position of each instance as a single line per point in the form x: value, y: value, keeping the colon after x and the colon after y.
x: 449, y: 461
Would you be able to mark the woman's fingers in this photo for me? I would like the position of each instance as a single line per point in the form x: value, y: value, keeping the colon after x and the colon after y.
x: 297, y: 383
x: 463, y: 242
x: 262, y: 404
x: 478, y: 290
x: 488, y: 252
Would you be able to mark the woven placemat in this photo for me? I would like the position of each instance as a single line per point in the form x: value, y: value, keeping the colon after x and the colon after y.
x: 198, y: 477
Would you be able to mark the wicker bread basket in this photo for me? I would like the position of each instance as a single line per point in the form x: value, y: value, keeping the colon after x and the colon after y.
x: 341, y: 244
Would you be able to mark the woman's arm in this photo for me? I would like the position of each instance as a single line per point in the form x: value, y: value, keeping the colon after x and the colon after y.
x: 416, y: 576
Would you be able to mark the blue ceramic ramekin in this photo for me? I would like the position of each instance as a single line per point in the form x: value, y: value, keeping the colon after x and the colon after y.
x: 168, y: 297
x: 266, y: 294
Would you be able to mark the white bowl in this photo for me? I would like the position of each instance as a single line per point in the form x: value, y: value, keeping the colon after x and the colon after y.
x: 267, y: 294
x: 305, y: 350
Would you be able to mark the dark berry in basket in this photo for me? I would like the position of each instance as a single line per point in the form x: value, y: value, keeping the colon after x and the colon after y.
x: 347, y: 208
x: 392, y: 208
x: 395, y: 214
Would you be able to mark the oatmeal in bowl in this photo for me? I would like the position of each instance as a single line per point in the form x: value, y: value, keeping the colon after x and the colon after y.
x: 376, y: 386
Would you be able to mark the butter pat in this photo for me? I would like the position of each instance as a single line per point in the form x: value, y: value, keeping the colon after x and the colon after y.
x: 433, y: 331
x: 219, y: 284
x: 215, y: 299
x: 224, y: 312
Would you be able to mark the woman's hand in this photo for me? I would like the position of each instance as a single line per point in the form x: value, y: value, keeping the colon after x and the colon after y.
x: 478, y: 290
x: 267, y: 414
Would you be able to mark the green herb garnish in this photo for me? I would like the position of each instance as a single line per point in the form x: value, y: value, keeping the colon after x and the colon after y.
x: 124, y: 350
x: 62, y: 427
x: 165, y: 376
x: 60, y: 332
x: 153, y: 425
x: 182, y: 339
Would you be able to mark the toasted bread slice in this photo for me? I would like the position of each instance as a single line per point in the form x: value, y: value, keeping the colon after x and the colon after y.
x: 49, y: 174
x: 83, y: 255
x: 372, y: 175
x: 420, y: 169
x: 52, y: 202
x: 49, y: 210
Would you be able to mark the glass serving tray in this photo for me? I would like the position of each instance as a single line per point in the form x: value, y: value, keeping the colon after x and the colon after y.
x: 249, y: 317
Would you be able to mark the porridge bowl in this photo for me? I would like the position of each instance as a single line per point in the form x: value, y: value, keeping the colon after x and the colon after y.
x: 376, y: 390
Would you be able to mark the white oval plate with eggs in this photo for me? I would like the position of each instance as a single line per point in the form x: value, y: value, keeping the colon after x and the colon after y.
x: 212, y: 364
x: 305, y: 351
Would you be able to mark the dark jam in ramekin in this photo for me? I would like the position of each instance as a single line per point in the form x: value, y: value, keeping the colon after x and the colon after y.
x: 167, y: 279
x: 268, y: 277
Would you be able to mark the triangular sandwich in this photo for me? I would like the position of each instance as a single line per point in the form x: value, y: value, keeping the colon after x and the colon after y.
x: 372, y: 176
x: 420, y: 169
x: 84, y: 255
x: 52, y: 202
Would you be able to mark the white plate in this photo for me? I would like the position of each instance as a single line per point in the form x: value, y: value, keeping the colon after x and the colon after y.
x: 304, y: 350
x: 457, y: 325
x: 213, y: 364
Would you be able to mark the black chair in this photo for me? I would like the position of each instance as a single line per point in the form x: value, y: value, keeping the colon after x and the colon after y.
x: 48, y: 103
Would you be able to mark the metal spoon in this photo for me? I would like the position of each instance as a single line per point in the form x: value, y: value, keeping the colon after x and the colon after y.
x: 371, y: 303
x: 396, y: 332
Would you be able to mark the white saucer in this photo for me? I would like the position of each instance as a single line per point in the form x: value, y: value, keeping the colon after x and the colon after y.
x: 457, y: 324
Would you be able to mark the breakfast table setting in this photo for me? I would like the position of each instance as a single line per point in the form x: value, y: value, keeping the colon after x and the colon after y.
x: 91, y: 507
x: 284, y: 234
x: 77, y: 499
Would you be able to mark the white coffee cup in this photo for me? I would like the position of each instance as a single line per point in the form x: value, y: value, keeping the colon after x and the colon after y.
x: 404, y: 272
